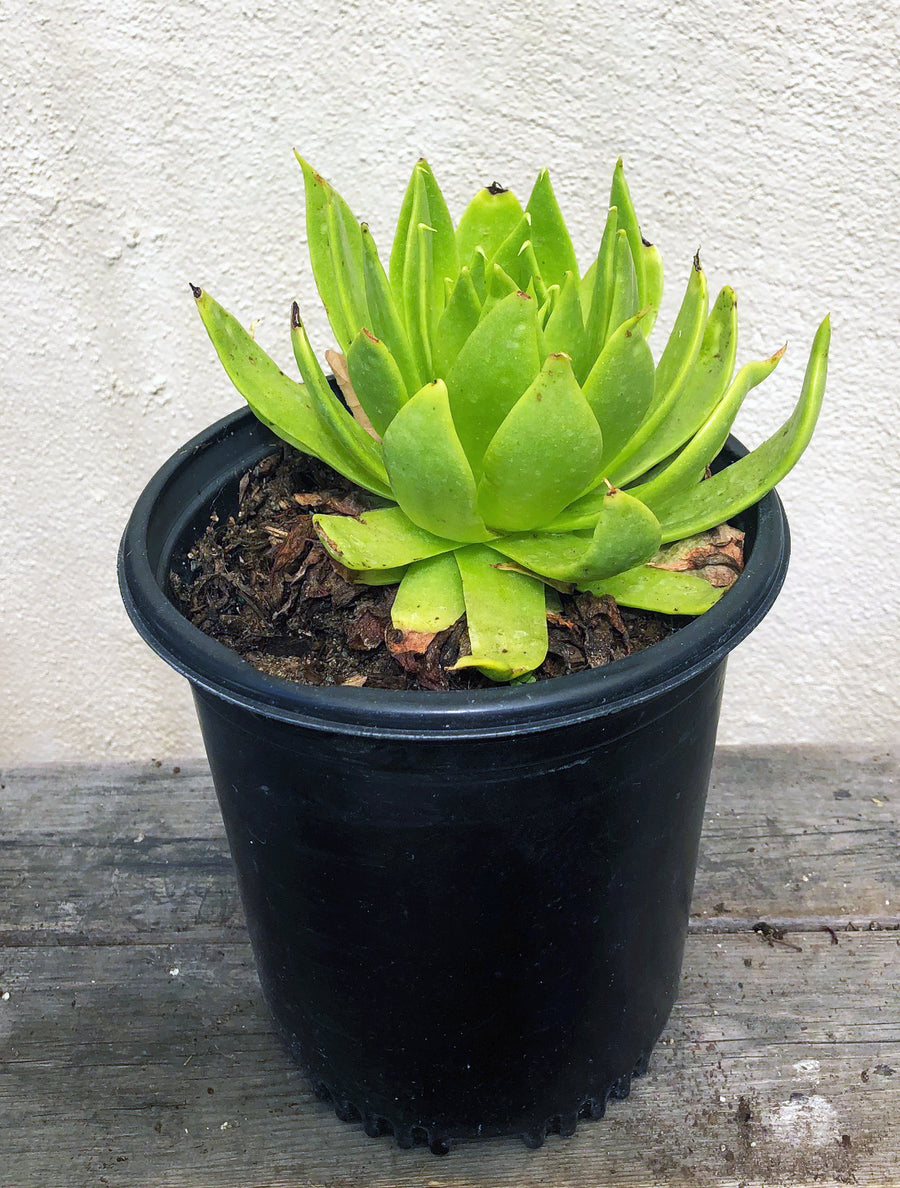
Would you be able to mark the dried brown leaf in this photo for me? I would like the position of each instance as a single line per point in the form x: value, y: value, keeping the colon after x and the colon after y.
x: 365, y: 630
x: 338, y: 364
x: 716, y: 555
x: 293, y: 544
x: 401, y: 642
x: 341, y: 505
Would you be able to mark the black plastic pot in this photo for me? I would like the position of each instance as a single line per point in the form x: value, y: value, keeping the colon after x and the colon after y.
x: 468, y: 909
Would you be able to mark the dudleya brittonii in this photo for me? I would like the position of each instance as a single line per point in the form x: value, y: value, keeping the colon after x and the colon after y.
x: 509, y: 411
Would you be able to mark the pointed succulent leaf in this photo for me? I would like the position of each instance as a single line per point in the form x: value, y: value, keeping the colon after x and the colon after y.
x: 549, y: 234
x: 545, y: 308
x: 397, y: 258
x: 626, y: 534
x: 564, y: 329
x: 430, y: 475
x: 536, y: 286
x: 305, y: 417
x: 385, y: 320
x: 600, y: 301
x: 477, y: 266
x: 620, y: 197
x: 411, y: 212
x: 376, y: 380
x: 336, y: 255
x: 434, y: 254
x: 347, y: 252
x: 662, y: 590
x: 498, y: 284
x: 543, y: 455
x: 487, y: 221
x: 507, y: 254
x: 444, y: 250
x: 382, y: 539
x: 688, y: 466
x: 460, y: 317
x: 423, y: 202
x: 320, y: 252
x: 494, y: 367
x: 686, y: 336
x: 625, y: 300
x: 672, y: 374
x: 355, y: 441
x: 619, y: 388
x: 744, y: 482
x: 653, y: 282
x: 430, y: 597
x: 586, y: 289
x: 703, y: 388
x: 709, y: 377
x: 506, y: 615
x: 419, y: 284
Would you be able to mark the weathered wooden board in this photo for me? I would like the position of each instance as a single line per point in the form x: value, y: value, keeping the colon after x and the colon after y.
x: 120, y: 852
x: 801, y: 834
x: 135, y: 1049
x: 118, y: 1070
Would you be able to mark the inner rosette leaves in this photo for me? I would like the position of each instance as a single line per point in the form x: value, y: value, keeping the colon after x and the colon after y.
x: 507, y: 411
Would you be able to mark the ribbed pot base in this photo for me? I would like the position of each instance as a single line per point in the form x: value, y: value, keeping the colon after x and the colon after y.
x: 441, y: 1143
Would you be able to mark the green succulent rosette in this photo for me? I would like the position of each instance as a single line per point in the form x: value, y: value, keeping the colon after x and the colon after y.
x: 509, y: 413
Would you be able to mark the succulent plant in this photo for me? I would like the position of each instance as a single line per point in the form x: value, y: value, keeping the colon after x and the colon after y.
x: 507, y: 411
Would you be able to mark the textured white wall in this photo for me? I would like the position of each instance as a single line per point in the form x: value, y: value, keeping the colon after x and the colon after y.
x: 146, y: 143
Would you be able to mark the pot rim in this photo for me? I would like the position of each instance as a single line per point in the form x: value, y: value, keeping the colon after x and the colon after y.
x: 394, y: 714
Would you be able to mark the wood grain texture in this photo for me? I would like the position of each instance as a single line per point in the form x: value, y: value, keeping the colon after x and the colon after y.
x: 136, y: 1048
